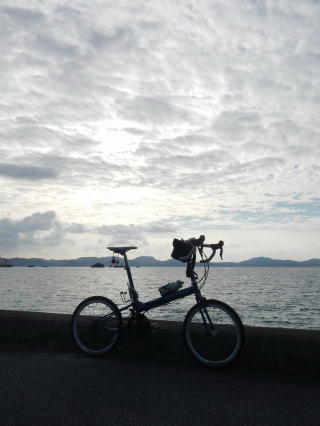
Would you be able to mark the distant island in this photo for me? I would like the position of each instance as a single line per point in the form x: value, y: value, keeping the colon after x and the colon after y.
x: 97, y: 265
x: 145, y: 261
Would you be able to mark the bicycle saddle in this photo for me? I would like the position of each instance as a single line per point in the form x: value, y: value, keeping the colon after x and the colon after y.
x: 121, y: 250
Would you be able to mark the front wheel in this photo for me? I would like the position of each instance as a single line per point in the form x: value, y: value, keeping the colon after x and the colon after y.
x: 214, y: 333
x: 96, y: 325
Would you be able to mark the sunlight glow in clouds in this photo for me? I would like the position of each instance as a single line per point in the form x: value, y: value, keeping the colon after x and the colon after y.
x: 141, y: 123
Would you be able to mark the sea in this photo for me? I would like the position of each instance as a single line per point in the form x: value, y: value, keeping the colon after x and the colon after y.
x: 272, y: 297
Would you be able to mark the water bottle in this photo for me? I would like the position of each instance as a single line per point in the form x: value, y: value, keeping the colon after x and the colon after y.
x: 170, y: 287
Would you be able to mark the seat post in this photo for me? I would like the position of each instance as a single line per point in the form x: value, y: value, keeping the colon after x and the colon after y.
x: 131, y: 284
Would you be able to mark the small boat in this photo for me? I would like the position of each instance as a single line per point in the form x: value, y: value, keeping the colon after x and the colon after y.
x: 97, y: 265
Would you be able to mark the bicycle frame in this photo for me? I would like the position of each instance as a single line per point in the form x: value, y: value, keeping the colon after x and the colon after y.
x: 97, y: 322
x: 140, y: 307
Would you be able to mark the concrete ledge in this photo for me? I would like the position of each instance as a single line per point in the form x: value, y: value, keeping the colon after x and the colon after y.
x: 291, y: 350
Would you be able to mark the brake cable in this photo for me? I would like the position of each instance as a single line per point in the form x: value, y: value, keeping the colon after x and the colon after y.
x: 206, y: 265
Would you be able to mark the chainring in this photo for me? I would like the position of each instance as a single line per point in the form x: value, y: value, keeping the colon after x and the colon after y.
x: 139, y: 325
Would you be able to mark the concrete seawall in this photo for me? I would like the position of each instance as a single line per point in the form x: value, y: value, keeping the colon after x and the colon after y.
x: 290, y: 350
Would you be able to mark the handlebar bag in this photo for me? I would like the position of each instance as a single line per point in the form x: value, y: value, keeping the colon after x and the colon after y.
x: 181, y: 248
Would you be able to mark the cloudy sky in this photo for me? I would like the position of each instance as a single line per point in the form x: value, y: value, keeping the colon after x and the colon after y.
x: 134, y: 122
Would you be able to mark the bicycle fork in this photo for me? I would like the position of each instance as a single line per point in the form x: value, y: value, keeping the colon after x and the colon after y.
x: 207, y: 322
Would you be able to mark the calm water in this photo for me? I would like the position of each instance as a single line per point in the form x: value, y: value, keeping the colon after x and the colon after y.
x: 273, y: 297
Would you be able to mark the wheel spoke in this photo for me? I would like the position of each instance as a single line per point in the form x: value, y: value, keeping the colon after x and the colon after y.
x: 219, y: 344
x: 96, y: 325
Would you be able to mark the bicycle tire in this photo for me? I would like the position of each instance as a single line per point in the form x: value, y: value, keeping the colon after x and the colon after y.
x: 219, y: 346
x: 96, y: 325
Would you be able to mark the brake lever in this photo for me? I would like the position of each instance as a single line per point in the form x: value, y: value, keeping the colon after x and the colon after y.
x: 214, y: 248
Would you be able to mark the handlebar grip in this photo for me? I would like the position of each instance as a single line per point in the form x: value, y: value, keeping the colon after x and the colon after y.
x: 214, y: 248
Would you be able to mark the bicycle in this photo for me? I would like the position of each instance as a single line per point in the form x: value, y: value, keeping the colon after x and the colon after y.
x: 212, y: 330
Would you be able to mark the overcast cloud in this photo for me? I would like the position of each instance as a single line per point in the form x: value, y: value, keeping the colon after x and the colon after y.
x: 146, y: 121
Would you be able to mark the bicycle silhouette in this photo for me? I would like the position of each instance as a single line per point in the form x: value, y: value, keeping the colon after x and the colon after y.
x: 212, y: 330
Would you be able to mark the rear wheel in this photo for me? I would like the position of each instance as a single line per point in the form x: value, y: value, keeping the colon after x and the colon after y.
x: 96, y: 325
x: 217, y: 341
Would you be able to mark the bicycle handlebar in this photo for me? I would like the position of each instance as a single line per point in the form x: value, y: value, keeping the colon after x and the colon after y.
x: 214, y: 248
x: 199, y: 243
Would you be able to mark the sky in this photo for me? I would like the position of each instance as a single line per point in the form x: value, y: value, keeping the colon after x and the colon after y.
x: 136, y: 122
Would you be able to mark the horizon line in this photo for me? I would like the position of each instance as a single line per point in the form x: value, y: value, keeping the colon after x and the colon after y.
x: 159, y: 260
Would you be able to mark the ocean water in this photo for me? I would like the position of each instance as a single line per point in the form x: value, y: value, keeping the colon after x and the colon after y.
x: 272, y: 297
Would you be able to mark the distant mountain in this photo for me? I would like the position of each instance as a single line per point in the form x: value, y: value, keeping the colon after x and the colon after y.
x: 151, y: 261
x: 81, y: 261
x: 145, y: 261
x: 310, y: 262
x: 267, y: 261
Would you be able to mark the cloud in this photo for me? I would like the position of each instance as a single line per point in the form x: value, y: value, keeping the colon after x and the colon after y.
x: 37, y: 222
x: 154, y: 111
x: 38, y: 229
x: 41, y: 229
x: 23, y: 16
x: 184, y: 168
x: 76, y: 228
x: 57, y: 168
x: 117, y: 38
x: 108, y: 106
x: 131, y: 234
x: 27, y: 172
x: 302, y: 209
x: 236, y: 125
